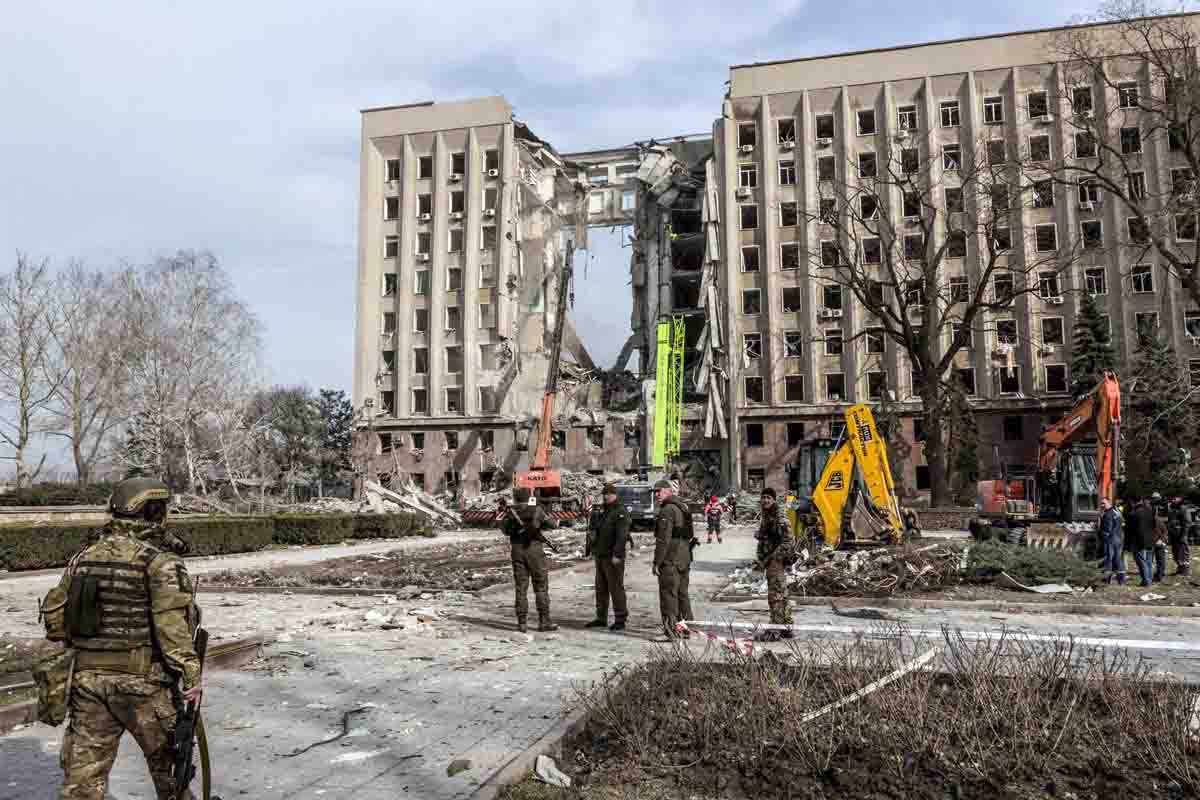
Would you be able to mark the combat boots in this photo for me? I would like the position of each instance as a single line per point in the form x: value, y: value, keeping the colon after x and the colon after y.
x: 521, y: 626
x: 545, y: 625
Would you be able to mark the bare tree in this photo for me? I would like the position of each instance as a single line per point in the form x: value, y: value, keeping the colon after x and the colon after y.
x: 88, y: 402
x: 26, y: 347
x: 935, y: 248
x: 1127, y: 88
x: 189, y: 338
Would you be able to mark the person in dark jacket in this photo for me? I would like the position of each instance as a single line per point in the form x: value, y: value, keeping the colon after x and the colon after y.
x: 611, y: 527
x: 1111, y: 540
x: 524, y: 527
x: 1179, y: 519
x: 1141, y: 535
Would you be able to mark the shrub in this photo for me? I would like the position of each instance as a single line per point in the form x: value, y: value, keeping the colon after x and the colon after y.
x: 1029, y: 565
x: 313, y: 528
x: 41, y: 546
x: 59, y: 494
x: 214, y: 536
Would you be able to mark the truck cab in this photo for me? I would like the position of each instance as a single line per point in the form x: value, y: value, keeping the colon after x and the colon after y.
x: 640, y: 500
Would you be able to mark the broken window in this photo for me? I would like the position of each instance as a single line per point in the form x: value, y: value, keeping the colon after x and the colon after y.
x: 756, y: 479
x: 389, y: 284
x: 752, y: 345
x: 1095, y: 281
x: 633, y: 436
x: 1052, y: 331
x: 875, y: 384
x: 391, y: 246
x: 993, y: 110
x: 872, y: 249
x: 451, y: 439
x: 912, y: 205
x: 910, y: 160
x: 1183, y: 183
x: 420, y: 320
x: 488, y: 404
x: 1142, y: 278
x: 454, y: 279
x: 1002, y: 239
x: 420, y: 361
x: 960, y: 333
x: 949, y: 114
x: 595, y: 438
x: 1006, y: 331
x: 828, y: 210
x: 789, y: 215
x: 956, y: 244
x: 951, y: 157
x: 387, y: 403
x: 1003, y: 287
x: 754, y: 434
x: 786, y: 130
x: 488, y: 240
x: 868, y: 206
x: 1039, y: 105
x: 791, y: 299
x: 424, y: 242
x: 420, y: 406
x: 1131, y: 140
x: 425, y: 167
x: 453, y: 318
x: 751, y: 301
x: 454, y: 403
x: 754, y: 389
x: 747, y: 176
x: 874, y: 344
x: 393, y: 169
x: 1081, y: 99
x: 421, y: 281
x: 866, y: 122
x: 1136, y: 184
x: 1085, y: 145
x: 747, y: 134
x: 826, y: 168
x: 867, y: 165
x: 1127, y: 95
x: 1139, y: 231
x: 454, y: 359
x: 391, y: 208
x: 835, y: 387
x: 874, y: 292
x: 960, y: 289
x: 458, y: 164
x: 954, y: 200
x: 1145, y: 323
x: 914, y: 247
x: 831, y: 296
x: 385, y: 443
x: 388, y: 360
x: 1043, y: 194
x: 914, y: 292
x: 458, y: 202
x: 787, y: 173
x: 389, y: 322
x: 789, y: 256
x: 997, y: 151
x: 793, y: 389
x: 907, y: 117
x: 793, y: 344
x: 829, y: 253
x: 1048, y: 285
x: 487, y: 315
x: 1177, y: 138
x: 491, y: 160
x: 1185, y: 227
x: 750, y: 259
x: 749, y: 217
x: 833, y: 342
x: 824, y: 126
x: 967, y: 378
x: 1093, y: 234
x: 490, y: 198
x: 456, y: 240
x: 1010, y: 380
x: 1056, y: 378
x: 795, y: 433
x: 424, y: 206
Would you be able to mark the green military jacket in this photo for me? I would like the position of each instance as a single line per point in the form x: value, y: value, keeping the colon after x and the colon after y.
x: 671, y: 543
x: 612, y: 531
x: 133, y: 608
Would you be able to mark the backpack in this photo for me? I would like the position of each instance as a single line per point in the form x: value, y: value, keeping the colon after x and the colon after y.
x: 689, y: 530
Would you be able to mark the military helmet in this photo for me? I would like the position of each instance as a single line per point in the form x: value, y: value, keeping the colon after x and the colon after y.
x: 130, y: 496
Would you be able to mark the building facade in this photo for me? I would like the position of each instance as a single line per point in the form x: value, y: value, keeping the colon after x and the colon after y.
x: 465, y: 215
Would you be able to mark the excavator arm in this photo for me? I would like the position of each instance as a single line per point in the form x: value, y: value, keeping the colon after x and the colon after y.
x: 1098, y: 413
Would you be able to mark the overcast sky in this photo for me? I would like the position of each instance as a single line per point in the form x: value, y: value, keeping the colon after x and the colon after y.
x: 130, y: 130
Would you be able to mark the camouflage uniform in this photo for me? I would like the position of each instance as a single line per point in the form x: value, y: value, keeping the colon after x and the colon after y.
x: 772, y: 534
x: 673, y: 561
x: 130, y: 618
x: 529, y: 561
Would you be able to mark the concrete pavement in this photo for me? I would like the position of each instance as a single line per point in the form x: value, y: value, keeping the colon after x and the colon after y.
x: 465, y: 685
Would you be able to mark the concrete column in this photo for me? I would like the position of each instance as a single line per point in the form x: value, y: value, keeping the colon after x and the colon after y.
x: 772, y: 297
x: 892, y: 204
x: 367, y: 327
x: 725, y: 147
x: 1156, y: 161
x: 506, y: 222
x: 976, y: 208
x: 849, y: 133
x: 1023, y: 240
x: 469, y: 296
x: 437, y: 277
x: 1120, y: 317
x: 808, y: 197
x: 405, y: 283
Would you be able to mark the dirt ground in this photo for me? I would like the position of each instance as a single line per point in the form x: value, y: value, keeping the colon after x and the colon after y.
x: 1175, y: 591
x: 461, y: 566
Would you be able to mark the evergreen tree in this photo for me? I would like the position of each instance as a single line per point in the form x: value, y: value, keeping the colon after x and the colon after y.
x: 1159, y: 426
x: 1091, y: 350
x: 963, y: 440
x: 337, y: 435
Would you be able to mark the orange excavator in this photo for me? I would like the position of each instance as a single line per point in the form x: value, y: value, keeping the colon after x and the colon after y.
x: 542, y: 481
x: 1078, y: 457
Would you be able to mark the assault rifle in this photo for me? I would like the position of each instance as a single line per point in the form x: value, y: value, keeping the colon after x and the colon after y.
x: 187, y: 724
x: 538, y: 537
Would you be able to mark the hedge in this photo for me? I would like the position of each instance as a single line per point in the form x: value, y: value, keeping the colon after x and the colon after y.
x: 46, y: 546
x: 59, y: 494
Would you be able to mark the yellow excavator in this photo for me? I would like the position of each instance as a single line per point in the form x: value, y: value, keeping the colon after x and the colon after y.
x: 854, y: 503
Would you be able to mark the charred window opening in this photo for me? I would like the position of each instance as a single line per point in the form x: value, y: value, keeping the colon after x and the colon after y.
x: 595, y: 438
x: 488, y: 404
x: 385, y: 443
x: 420, y: 404
x: 387, y: 402
x: 752, y: 346
x: 754, y: 390
x: 633, y: 436
x: 792, y: 299
x: 754, y: 434
x: 454, y: 401
x: 795, y: 433
x: 756, y: 479
x: 686, y: 295
x: 793, y: 388
x: 558, y: 440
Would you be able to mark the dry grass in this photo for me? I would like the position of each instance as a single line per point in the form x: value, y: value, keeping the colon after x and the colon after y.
x: 1006, y: 718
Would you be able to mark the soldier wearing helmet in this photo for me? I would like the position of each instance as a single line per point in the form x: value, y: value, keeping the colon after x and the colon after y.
x: 126, y: 607
x: 524, y: 525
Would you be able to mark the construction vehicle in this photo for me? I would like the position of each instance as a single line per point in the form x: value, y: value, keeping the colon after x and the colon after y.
x: 855, y: 499
x: 543, y: 482
x: 1077, y: 467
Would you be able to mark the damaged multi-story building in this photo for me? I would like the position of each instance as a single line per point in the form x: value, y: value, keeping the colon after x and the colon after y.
x: 467, y: 220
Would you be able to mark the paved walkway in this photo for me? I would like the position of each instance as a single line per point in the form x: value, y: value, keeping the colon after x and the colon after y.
x: 463, y: 686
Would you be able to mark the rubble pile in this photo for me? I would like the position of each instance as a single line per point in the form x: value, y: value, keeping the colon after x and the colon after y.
x: 865, y: 573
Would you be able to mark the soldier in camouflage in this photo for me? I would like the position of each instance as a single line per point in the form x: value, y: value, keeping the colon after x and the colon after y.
x: 130, y: 615
x: 774, y: 543
x: 524, y: 525
x: 673, y: 542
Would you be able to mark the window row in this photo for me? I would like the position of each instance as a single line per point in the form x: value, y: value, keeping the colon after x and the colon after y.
x: 451, y: 440
x: 452, y: 403
x: 456, y: 205
x: 457, y: 164
x: 456, y: 242
x: 453, y: 319
x: 949, y: 113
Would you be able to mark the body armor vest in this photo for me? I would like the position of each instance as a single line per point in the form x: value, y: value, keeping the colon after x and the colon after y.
x: 108, y: 608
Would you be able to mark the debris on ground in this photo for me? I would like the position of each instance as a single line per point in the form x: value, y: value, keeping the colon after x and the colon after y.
x: 1150, y: 597
x: 1009, y: 582
x: 548, y: 772
x: 458, y: 765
